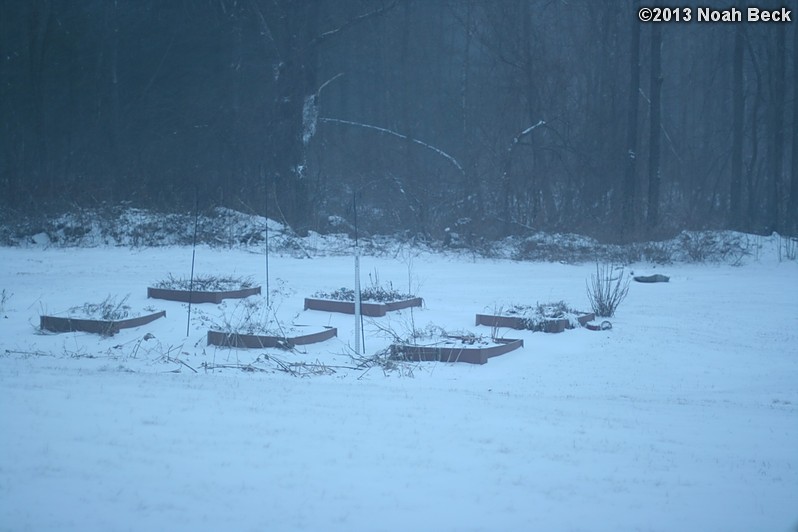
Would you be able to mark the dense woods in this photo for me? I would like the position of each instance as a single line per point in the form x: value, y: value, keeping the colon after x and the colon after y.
x: 484, y: 117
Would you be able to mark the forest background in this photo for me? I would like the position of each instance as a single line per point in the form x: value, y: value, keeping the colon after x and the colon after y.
x: 485, y: 118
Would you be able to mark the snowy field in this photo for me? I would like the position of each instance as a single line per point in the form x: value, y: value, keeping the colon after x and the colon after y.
x: 682, y: 417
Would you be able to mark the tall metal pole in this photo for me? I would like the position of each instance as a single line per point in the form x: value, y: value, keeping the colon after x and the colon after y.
x: 268, y: 292
x: 193, y: 256
x: 358, y: 323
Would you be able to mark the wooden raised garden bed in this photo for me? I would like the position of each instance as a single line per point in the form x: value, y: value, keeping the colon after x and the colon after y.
x: 471, y: 354
x: 201, y: 296
x: 254, y: 341
x: 104, y: 327
x: 374, y: 310
x: 552, y: 325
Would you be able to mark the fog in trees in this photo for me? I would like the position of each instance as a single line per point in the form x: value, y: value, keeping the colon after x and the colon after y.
x: 484, y: 118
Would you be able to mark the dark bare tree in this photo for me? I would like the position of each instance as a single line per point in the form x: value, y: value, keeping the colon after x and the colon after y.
x: 775, y: 126
x: 296, y: 35
x: 629, y: 194
x: 738, y: 114
x: 655, y: 117
x: 793, y: 205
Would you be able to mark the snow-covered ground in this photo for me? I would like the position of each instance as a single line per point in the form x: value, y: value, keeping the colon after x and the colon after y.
x: 684, y: 416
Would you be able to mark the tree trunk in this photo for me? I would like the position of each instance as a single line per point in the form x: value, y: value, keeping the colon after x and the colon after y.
x: 629, y: 189
x: 36, y: 156
x: 738, y: 113
x: 417, y: 188
x: 10, y: 163
x: 753, y: 217
x: 794, y: 177
x: 472, y: 192
x: 656, y: 126
x: 296, y: 81
x: 776, y: 129
x: 533, y: 185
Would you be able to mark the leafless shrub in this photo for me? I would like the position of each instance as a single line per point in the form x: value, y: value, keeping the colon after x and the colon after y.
x: 606, y: 289
x: 109, y: 309
x: 375, y: 291
x: 788, y: 248
x: 658, y: 252
x: 247, y: 316
x: 385, y: 360
x: 712, y: 246
x: 205, y: 283
x: 405, y: 331
x: 5, y: 295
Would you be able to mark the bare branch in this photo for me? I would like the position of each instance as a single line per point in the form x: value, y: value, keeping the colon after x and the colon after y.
x: 515, y: 142
x: 525, y: 132
x: 352, y: 22
x: 266, y: 30
x: 318, y: 92
x: 398, y: 135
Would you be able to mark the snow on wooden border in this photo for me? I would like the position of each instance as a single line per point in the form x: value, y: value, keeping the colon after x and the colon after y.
x: 373, y: 310
x: 470, y: 355
x: 104, y: 327
x: 554, y: 325
x: 200, y: 296
x: 254, y: 341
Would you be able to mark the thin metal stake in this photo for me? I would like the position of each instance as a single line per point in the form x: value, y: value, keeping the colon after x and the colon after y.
x: 268, y: 292
x: 360, y: 338
x: 193, y: 256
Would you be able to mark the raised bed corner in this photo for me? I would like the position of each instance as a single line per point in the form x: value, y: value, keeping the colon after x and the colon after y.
x: 199, y: 296
x: 103, y: 327
x: 374, y: 310
x: 470, y: 355
x: 555, y: 325
x: 254, y: 341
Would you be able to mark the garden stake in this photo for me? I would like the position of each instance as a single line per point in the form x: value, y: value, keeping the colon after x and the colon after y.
x: 358, y: 315
x: 193, y: 256
x: 268, y: 295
